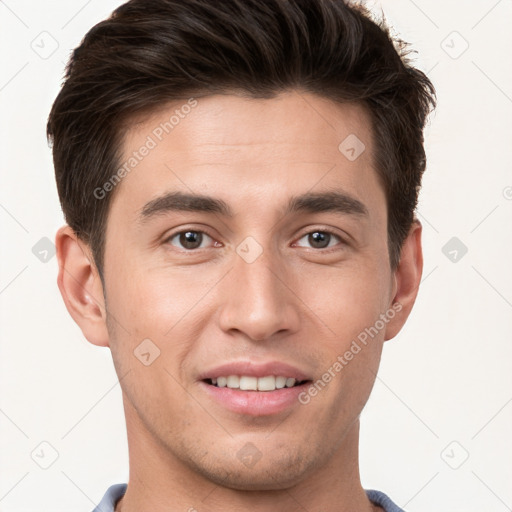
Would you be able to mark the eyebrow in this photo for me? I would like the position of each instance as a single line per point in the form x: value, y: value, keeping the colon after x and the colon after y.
x: 338, y: 202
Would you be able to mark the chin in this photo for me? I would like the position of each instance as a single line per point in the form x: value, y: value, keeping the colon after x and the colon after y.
x: 263, y: 475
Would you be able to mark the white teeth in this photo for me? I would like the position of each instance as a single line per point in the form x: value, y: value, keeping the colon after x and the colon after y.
x: 248, y: 383
x: 280, y: 382
x: 290, y: 382
x: 233, y: 381
x: 267, y: 383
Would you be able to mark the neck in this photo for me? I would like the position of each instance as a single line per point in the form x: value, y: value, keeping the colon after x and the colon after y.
x: 159, y: 482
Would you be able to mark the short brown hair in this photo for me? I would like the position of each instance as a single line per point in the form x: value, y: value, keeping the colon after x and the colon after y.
x: 148, y: 53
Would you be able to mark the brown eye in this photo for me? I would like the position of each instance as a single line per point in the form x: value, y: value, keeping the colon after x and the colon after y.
x: 188, y: 239
x: 320, y: 239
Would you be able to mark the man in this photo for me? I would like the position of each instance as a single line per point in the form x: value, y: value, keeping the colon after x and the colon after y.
x: 239, y: 181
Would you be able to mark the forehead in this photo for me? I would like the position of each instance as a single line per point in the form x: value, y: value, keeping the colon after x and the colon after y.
x: 248, y: 150
x: 231, y: 120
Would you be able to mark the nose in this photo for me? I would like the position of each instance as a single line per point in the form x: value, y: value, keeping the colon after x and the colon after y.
x: 258, y: 301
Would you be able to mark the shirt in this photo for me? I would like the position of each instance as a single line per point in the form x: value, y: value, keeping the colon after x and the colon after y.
x: 116, y: 492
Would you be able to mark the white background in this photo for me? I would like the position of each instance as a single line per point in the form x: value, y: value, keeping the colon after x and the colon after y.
x: 444, y: 391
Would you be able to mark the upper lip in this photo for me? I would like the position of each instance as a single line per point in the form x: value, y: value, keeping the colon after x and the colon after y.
x: 252, y: 369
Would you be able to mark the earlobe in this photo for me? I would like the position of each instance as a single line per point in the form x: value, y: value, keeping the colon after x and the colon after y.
x: 80, y: 286
x: 407, y: 280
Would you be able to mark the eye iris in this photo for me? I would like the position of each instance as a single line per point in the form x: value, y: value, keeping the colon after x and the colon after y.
x: 191, y: 239
x: 319, y: 239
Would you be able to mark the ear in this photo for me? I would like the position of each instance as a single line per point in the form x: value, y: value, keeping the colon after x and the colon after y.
x: 80, y: 286
x: 407, y: 279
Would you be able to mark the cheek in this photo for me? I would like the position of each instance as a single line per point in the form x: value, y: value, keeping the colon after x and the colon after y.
x: 166, y: 306
x: 148, y: 311
x: 154, y: 300
x: 347, y: 299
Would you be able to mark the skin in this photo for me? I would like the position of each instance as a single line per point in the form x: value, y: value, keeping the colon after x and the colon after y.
x: 295, y: 303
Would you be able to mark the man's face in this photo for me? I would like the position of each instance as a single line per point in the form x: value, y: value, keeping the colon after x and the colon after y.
x: 273, y: 291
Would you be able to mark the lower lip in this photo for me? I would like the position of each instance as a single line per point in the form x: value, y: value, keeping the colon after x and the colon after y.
x: 255, y: 403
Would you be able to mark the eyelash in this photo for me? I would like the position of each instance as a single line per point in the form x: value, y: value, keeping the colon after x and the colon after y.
x: 325, y: 231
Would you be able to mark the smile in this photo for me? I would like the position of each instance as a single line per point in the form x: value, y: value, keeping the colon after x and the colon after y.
x: 250, y: 383
x: 253, y: 388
